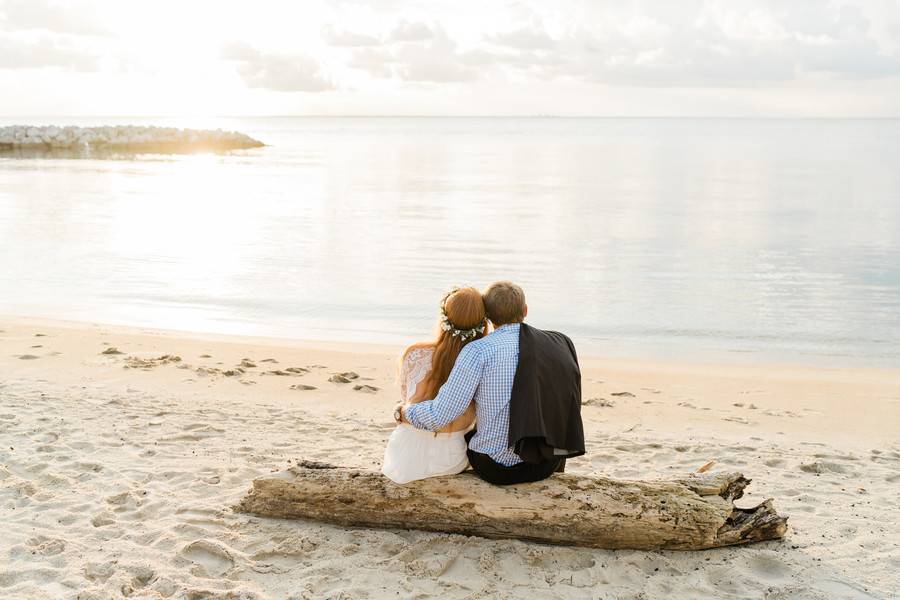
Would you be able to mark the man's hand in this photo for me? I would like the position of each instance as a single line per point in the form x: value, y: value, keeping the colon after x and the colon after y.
x: 399, y: 414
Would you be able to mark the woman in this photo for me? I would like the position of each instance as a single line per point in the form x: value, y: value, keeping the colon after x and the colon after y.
x: 412, y: 453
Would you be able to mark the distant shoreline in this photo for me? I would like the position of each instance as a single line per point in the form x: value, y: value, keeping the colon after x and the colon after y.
x: 424, y: 116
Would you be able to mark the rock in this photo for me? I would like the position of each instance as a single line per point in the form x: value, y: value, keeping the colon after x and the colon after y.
x: 27, y: 357
x: 134, y: 362
x: 602, y: 402
x: 112, y: 350
x: 247, y: 364
x: 623, y: 394
x: 302, y: 387
x: 126, y: 138
x: 345, y: 377
x: 368, y: 389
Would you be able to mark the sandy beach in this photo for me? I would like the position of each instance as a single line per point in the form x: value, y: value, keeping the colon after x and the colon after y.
x: 123, y: 450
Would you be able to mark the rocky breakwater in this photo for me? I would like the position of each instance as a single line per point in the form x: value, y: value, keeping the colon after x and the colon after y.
x: 120, y: 139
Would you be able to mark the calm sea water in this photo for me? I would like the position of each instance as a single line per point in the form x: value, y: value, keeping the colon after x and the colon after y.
x: 709, y: 239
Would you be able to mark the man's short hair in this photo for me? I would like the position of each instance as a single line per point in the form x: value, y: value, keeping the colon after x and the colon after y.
x: 504, y: 302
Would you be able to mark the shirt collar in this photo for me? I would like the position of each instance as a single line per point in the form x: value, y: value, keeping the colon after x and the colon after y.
x: 507, y: 327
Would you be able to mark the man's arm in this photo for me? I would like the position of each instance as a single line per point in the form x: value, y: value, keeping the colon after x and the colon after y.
x: 454, y: 396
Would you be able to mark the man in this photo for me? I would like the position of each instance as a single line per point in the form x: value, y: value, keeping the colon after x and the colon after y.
x: 487, y: 372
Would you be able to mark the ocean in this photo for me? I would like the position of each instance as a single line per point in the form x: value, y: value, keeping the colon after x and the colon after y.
x: 766, y: 240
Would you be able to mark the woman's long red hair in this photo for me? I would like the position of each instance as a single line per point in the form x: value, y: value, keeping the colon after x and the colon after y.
x: 465, y: 309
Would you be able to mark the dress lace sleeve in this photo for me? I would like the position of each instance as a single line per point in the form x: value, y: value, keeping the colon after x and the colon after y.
x: 415, y: 367
x: 404, y: 375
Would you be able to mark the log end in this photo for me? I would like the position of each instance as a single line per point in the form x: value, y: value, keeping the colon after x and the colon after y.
x: 755, y: 524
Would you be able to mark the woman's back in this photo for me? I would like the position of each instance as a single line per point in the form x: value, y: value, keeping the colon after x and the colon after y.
x: 416, y: 366
x: 413, y: 453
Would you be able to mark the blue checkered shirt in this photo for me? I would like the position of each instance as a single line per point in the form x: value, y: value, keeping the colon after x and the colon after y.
x: 483, y: 372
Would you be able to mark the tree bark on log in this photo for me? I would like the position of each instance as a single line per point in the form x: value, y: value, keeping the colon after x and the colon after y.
x: 691, y: 513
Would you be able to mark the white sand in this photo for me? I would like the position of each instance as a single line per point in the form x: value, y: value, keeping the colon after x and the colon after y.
x: 119, y: 482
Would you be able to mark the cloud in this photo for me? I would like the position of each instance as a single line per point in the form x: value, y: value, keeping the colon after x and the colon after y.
x: 703, y: 44
x: 377, y: 62
x: 44, y: 53
x: 240, y: 51
x: 70, y: 17
x: 405, y: 31
x: 339, y: 37
x: 574, y: 56
x: 523, y: 38
x: 434, y: 59
x: 276, y: 72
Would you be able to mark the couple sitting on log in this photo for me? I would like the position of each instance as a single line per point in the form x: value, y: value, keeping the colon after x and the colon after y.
x: 507, y: 403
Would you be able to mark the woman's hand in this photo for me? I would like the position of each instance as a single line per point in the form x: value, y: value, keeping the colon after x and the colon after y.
x: 399, y: 414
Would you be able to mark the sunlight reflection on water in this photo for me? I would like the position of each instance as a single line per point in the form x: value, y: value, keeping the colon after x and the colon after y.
x: 773, y: 239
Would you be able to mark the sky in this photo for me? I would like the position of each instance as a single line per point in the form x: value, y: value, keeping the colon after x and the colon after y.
x: 767, y: 58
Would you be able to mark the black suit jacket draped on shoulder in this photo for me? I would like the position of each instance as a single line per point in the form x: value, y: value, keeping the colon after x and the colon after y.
x: 545, y: 404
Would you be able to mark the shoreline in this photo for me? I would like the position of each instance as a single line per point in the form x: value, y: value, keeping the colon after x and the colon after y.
x: 119, y: 468
x: 724, y: 398
x: 724, y: 359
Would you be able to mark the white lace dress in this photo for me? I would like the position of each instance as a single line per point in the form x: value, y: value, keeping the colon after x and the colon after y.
x: 412, y: 453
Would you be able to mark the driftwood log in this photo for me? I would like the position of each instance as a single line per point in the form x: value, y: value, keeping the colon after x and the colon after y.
x: 691, y: 513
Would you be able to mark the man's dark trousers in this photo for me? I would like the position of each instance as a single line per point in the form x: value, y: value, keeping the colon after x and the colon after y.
x: 493, y: 472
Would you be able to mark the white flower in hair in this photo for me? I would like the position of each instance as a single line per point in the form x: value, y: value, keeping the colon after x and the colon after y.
x: 449, y: 327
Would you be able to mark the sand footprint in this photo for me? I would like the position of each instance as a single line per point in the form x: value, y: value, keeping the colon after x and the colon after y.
x: 45, y: 546
x: 740, y: 420
x: 210, y: 558
x: 202, y: 427
x: 820, y: 466
x: 769, y: 567
x: 103, y: 519
x: 284, y: 556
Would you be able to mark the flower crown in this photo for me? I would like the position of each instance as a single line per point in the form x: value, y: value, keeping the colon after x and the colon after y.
x: 453, y: 330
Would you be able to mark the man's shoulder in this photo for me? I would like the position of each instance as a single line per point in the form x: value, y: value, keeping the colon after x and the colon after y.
x: 475, y: 347
x: 481, y: 348
x: 548, y: 333
x: 494, y: 344
x: 547, y: 338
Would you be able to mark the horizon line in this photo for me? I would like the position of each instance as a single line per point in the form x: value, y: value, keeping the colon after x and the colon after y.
x: 440, y: 116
